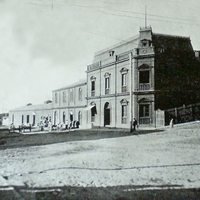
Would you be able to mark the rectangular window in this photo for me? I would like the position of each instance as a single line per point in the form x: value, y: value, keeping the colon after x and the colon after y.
x: 56, y: 98
x: 22, y: 119
x: 80, y: 94
x: 13, y: 118
x: 124, y: 114
x: 144, y: 110
x: 124, y: 83
x: 93, y: 88
x: 64, y: 97
x: 144, y: 77
x: 71, y: 95
x: 27, y: 118
x: 107, y: 85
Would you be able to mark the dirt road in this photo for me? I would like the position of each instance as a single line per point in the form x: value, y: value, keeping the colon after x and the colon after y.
x: 161, y: 160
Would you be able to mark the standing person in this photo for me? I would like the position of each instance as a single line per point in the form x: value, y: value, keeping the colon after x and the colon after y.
x: 67, y: 124
x: 134, y: 124
x: 77, y: 124
x: 171, y: 124
x: 50, y: 125
x: 74, y: 124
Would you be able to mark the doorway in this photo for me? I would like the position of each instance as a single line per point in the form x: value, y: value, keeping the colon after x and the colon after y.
x: 55, y: 116
x: 106, y: 114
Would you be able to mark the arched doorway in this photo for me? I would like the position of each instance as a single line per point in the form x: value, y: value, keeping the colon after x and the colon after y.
x: 55, y: 117
x: 80, y: 117
x: 63, y: 117
x: 71, y: 117
x: 106, y: 114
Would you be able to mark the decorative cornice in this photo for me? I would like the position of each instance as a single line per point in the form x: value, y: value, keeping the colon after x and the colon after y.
x: 66, y: 107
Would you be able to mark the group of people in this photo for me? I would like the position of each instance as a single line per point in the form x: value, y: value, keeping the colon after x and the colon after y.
x: 72, y: 124
x: 60, y: 126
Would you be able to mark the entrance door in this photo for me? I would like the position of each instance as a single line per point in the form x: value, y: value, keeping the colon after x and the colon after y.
x: 106, y: 114
x: 55, y: 116
x: 33, y: 120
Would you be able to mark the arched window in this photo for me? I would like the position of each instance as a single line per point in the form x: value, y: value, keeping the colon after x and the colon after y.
x: 93, y: 111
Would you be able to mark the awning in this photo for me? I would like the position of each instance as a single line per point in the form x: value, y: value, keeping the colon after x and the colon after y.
x: 89, y: 107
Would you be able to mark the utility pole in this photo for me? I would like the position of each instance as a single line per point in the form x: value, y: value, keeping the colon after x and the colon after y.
x: 145, y: 16
x: 131, y: 79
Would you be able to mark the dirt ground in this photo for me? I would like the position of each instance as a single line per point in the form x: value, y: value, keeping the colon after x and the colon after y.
x: 101, y: 164
x: 14, y: 139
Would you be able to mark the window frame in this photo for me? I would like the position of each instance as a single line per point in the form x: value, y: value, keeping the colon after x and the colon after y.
x: 107, y: 82
x: 93, y: 85
x: 80, y: 94
x: 56, y: 97
x: 124, y: 111
x: 124, y: 81
x: 64, y: 97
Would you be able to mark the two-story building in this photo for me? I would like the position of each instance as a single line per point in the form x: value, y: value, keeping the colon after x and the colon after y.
x: 135, y: 78
x: 69, y: 103
x: 132, y: 79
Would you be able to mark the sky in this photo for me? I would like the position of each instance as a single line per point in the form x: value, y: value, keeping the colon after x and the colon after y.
x: 47, y: 44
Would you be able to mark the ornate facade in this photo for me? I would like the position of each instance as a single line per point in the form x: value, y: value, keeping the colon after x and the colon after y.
x: 132, y: 79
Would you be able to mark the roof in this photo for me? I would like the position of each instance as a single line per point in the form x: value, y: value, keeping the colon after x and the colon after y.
x: 118, y: 48
x: 77, y: 84
x: 34, y: 107
x: 172, y: 42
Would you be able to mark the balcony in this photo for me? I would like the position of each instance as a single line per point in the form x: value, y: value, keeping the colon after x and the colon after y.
x: 93, y: 93
x: 124, y: 88
x: 144, y: 86
x: 107, y: 91
x: 124, y: 120
x: 144, y: 120
x: 92, y: 118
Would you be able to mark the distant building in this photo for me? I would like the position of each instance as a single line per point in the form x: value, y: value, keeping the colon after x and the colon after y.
x: 4, y: 118
x: 30, y: 114
x: 69, y: 103
x: 131, y: 79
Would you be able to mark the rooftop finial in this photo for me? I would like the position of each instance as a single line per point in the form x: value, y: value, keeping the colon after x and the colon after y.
x: 145, y: 16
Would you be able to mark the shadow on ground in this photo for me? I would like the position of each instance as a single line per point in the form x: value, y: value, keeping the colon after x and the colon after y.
x: 107, y: 193
x: 14, y: 139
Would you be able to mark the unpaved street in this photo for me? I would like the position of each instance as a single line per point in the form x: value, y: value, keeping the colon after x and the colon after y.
x: 167, y: 159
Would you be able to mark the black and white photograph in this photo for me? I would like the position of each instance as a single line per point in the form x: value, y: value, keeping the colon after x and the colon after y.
x: 99, y: 100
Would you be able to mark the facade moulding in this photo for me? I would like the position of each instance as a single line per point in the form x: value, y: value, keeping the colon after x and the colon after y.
x: 66, y: 107
x: 144, y: 56
x: 30, y: 110
x: 70, y: 87
x: 144, y: 92
x: 111, y: 95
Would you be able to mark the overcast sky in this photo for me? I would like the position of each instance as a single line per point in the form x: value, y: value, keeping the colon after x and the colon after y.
x: 47, y: 44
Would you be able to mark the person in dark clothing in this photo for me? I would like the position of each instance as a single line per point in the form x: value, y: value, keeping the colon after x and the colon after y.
x: 77, y: 124
x: 134, y: 124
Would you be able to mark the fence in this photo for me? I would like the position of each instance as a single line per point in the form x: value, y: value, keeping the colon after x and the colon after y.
x: 183, y: 114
